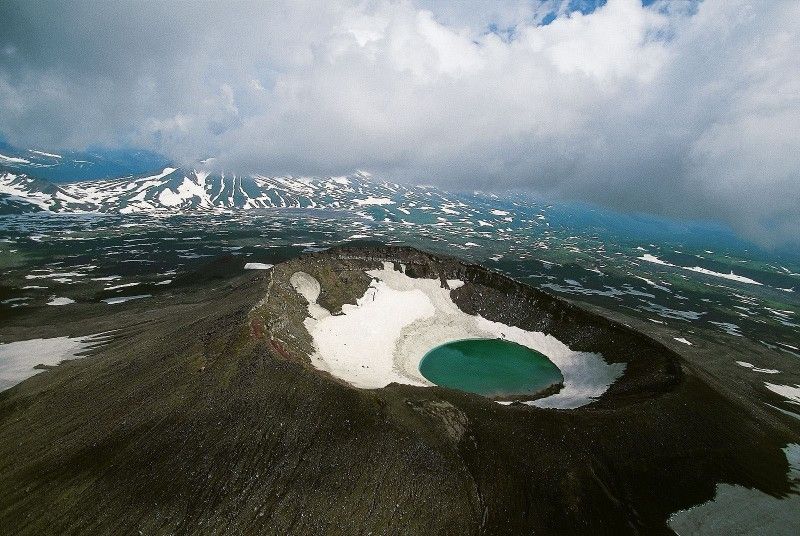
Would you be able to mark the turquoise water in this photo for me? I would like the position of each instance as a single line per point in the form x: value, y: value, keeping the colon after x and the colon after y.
x: 490, y: 367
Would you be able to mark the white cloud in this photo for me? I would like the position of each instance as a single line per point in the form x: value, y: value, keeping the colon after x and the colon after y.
x: 678, y: 108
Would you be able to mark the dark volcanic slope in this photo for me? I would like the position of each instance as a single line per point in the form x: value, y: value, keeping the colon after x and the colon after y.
x: 203, y: 416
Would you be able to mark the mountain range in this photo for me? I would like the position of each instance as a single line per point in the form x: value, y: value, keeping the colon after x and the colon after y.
x: 175, y: 190
x: 124, y: 182
x: 27, y: 185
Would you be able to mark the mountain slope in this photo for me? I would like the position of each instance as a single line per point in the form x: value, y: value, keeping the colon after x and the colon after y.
x: 78, y: 165
x: 192, y: 419
x: 21, y: 194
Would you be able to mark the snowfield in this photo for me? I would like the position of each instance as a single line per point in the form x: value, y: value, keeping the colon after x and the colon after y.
x: 13, y: 160
x: 373, y: 201
x: 731, y: 276
x: 384, y: 336
x: 60, y: 301
x: 789, y: 392
x: 17, y: 359
x: 740, y: 510
x: 257, y: 266
x: 123, y: 299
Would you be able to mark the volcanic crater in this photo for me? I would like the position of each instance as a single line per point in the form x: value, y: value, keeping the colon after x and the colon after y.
x: 367, y: 316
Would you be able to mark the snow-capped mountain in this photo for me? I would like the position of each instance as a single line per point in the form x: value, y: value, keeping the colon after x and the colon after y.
x: 21, y: 193
x: 175, y: 191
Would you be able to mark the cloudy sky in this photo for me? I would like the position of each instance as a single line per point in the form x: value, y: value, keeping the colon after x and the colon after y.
x: 676, y: 108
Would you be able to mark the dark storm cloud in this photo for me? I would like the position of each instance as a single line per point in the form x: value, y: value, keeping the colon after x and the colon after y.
x: 676, y: 108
